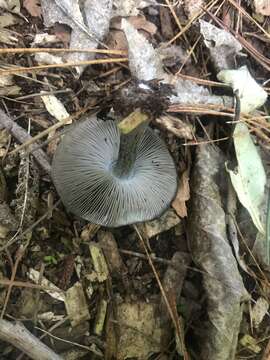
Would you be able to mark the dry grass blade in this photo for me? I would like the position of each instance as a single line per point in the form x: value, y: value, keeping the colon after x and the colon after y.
x: 191, y: 21
x: 64, y: 65
x: 240, y: 8
x: 61, y: 50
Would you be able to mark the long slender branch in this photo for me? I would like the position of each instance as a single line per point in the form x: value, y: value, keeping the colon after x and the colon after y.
x: 17, y: 335
x: 22, y: 136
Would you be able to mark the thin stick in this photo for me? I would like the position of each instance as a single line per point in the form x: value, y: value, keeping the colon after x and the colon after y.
x: 16, y: 70
x: 48, y: 131
x: 22, y: 136
x: 57, y: 50
x: 17, y: 335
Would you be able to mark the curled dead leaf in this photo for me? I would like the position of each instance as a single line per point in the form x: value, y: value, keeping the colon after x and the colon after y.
x: 33, y: 7
x: 182, y: 196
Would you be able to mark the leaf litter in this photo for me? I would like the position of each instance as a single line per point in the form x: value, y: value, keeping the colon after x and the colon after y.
x: 181, y: 284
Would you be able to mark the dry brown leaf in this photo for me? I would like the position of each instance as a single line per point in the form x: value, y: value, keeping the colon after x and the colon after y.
x: 166, y: 23
x: 62, y: 32
x: 139, y: 23
x: 176, y: 126
x: 33, y: 7
x: 262, y: 7
x: 182, y: 196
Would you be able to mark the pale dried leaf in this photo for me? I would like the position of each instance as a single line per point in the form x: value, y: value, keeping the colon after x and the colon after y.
x: 139, y: 23
x: 259, y: 311
x: 55, y: 107
x: 8, y: 20
x: 262, y: 7
x: 44, y: 39
x: 54, y: 291
x: 7, y: 37
x: 12, y: 5
x: 164, y: 223
x: 100, y: 318
x: 140, y: 331
x: 99, y: 262
x: 50, y: 316
x: 193, y: 7
x: 176, y: 126
x: 144, y: 62
x: 10, y: 90
x: 48, y: 59
x: 126, y: 8
x: 76, y: 305
x: 222, y: 45
x: 33, y: 7
x: 110, y: 248
x: 249, y: 342
x: 182, y: 196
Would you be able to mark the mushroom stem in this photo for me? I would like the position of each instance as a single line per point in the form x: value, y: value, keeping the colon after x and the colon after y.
x: 131, y: 129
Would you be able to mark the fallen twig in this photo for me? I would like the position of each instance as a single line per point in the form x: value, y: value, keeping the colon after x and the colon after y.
x: 17, y: 335
x: 22, y: 136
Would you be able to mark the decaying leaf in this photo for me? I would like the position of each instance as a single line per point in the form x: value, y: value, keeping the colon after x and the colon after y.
x: 47, y: 59
x: 44, y: 39
x: 222, y: 45
x: 109, y: 245
x: 53, y: 290
x: 262, y: 7
x: 33, y: 7
x: 76, y: 305
x: 172, y: 283
x: 99, y: 262
x: 7, y: 86
x: 182, y: 196
x: 140, y: 331
x: 193, y: 7
x: 144, y: 62
x: 211, y: 251
x: 7, y: 37
x: 164, y: 223
x: 176, y: 126
x: 11, y: 5
x: 8, y: 20
x: 259, y: 310
x: 138, y: 22
x: 250, y: 343
x: 100, y: 318
x: 89, y: 24
x: 249, y: 179
x: 55, y: 107
x: 130, y: 7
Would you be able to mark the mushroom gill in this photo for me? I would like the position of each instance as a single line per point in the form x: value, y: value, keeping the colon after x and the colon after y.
x: 112, y: 179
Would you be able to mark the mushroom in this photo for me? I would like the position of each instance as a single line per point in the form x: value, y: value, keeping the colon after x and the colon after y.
x: 111, y: 178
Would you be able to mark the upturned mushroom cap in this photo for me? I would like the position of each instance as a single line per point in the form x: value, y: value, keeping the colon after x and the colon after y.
x: 82, y: 172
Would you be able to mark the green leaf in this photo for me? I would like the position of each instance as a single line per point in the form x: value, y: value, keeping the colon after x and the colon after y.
x: 249, y: 178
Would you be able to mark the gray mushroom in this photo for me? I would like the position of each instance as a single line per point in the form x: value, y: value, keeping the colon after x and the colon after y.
x: 113, y: 179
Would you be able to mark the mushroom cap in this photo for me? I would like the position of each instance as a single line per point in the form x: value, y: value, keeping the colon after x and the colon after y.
x: 83, y: 176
